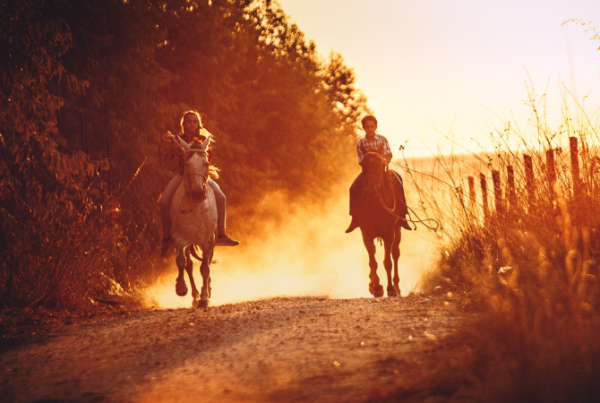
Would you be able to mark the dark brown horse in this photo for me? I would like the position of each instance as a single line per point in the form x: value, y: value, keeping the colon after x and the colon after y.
x: 379, y: 219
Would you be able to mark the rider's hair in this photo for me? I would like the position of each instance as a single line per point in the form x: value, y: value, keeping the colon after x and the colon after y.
x: 367, y: 118
x: 190, y: 113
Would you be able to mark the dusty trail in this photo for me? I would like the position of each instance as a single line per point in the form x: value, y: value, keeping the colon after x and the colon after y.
x: 275, y: 350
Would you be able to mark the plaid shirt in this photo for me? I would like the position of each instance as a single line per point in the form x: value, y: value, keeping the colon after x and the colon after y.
x: 378, y: 144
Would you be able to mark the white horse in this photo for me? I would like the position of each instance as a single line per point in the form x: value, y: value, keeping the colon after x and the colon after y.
x: 194, y: 218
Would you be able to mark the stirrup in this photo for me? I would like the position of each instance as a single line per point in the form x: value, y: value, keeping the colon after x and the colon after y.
x: 404, y: 224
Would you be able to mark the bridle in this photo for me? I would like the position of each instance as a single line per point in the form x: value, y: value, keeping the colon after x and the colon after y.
x: 203, y: 152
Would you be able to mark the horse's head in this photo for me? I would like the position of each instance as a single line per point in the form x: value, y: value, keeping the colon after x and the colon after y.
x: 196, y: 170
x: 373, y: 167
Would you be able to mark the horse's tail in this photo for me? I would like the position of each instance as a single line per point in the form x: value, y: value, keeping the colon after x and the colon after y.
x: 194, y: 250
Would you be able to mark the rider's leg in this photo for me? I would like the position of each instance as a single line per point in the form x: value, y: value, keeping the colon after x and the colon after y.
x: 221, y: 199
x: 355, y: 202
x: 165, y: 212
x: 402, y: 206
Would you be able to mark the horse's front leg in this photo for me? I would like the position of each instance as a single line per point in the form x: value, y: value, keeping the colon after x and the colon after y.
x: 387, y: 264
x: 189, y: 269
x: 375, y: 287
x: 207, y: 253
x: 180, y: 287
x: 395, y: 257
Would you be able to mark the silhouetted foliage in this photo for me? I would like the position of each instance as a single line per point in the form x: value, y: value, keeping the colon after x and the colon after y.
x: 530, y: 265
x: 88, y: 87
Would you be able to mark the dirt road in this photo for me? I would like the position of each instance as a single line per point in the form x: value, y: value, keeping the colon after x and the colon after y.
x: 275, y: 350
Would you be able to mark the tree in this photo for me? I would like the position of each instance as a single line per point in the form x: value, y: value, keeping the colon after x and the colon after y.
x: 89, y: 87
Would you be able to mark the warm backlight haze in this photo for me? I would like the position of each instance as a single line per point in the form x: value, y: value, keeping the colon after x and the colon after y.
x: 306, y: 253
x: 440, y: 75
x: 435, y: 69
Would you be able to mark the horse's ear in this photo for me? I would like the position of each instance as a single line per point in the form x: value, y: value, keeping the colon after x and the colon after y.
x: 206, y: 142
x: 183, y: 143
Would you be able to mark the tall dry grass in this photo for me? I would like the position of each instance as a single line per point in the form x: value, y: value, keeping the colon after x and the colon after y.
x: 530, y: 263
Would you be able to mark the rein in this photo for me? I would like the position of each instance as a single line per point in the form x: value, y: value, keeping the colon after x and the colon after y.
x: 380, y: 197
x: 196, y: 150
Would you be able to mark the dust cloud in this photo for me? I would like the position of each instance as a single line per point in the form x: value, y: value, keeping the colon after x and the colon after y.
x: 302, y: 250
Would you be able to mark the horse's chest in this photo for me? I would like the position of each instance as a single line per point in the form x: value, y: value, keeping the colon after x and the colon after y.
x: 193, y: 218
x: 187, y: 206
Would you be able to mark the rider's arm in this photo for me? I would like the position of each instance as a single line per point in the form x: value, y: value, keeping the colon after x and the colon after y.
x: 173, y: 153
x: 387, y: 152
x: 170, y: 153
x: 359, y: 152
x: 176, y: 148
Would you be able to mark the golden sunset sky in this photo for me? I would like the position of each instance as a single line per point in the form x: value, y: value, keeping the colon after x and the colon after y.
x: 433, y: 69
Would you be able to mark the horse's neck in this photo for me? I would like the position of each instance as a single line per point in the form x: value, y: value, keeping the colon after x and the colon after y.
x: 387, y: 190
x: 182, y: 195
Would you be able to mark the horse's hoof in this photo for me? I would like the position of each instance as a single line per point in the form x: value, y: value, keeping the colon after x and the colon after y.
x: 392, y: 293
x: 397, y: 288
x: 203, y: 303
x: 181, y: 289
x: 376, y: 291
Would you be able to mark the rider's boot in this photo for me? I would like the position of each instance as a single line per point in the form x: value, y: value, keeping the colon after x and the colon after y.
x: 353, y: 225
x: 224, y: 240
x: 404, y: 224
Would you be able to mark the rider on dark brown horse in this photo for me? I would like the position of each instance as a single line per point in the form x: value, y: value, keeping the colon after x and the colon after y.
x: 373, y: 142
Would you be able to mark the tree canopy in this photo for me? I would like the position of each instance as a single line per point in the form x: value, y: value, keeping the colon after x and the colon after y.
x: 86, y: 89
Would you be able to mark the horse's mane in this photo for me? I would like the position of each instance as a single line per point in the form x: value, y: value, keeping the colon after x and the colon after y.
x: 370, y: 161
x: 374, y: 154
x: 213, y: 172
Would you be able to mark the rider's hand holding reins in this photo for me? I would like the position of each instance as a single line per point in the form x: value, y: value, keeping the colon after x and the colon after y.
x: 168, y: 137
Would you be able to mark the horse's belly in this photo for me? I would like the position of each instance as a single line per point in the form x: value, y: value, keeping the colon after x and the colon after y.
x: 377, y: 223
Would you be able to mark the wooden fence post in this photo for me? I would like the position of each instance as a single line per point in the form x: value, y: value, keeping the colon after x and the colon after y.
x: 551, y: 174
x: 550, y: 168
x: 575, y: 167
x: 530, y: 180
x: 484, y: 196
x: 471, y: 182
x: 512, y: 199
x: 497, y: 192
